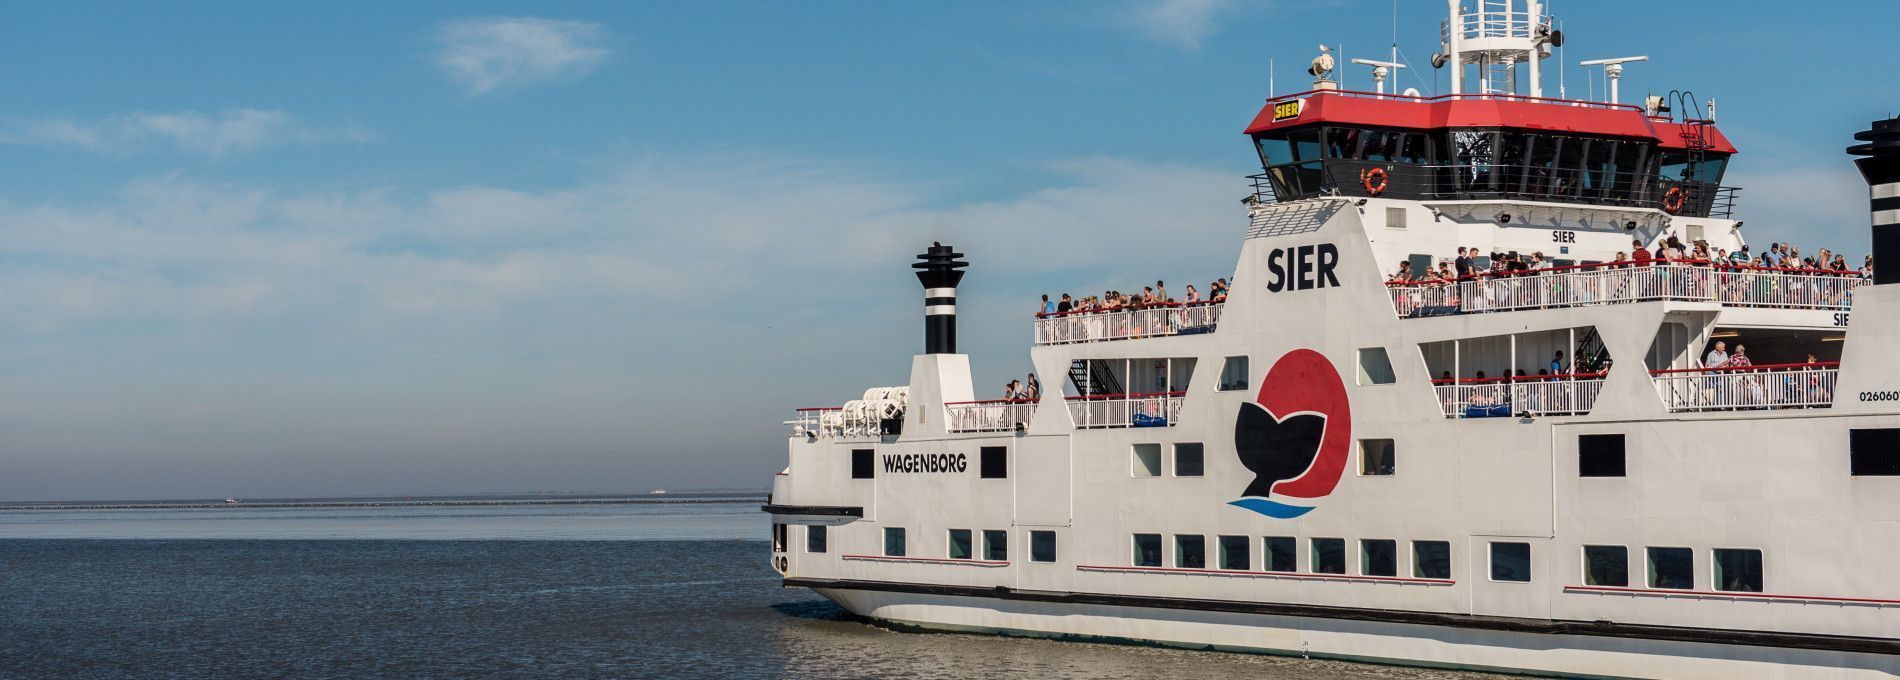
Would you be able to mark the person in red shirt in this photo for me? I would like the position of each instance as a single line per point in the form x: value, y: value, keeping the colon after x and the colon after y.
x: 1639, y: 254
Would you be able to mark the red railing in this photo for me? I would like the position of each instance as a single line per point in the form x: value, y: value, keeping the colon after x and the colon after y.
x: 1156, y: 320
x: 990, y: 415
x: 1768, y: 386
x: 1627, y: 281
x: 1154, y: 409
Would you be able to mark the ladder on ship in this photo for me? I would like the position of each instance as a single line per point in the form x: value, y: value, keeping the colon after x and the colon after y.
x: 1091, y: 376
x: 1592, y: 355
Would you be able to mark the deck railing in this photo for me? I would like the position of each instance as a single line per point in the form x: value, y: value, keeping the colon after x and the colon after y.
x: 1586, y: 285
x: 1500, y: 397
x: 998, y: 415
x: 1748, y: 387
x: 1158, y: 321
x: 1160, y: 409
x: 834, y: 421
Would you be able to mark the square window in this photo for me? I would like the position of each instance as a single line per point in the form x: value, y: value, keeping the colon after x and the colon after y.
x: 1874, y: 453
x: 1672, y: 568
x: 1738, y: 570
x: 1600, y: 455
x: 1146, y: 461
x: 959, y: 544
x: 1189, y: 460
x: 1378, y: 557
x: 1375, y: 367
x: 1395, y: 218
x: 993, y: 462
x: 1235, y: 552
x: 815, y: 538
x: 894, y: 541
x: 1147, y: 550
x: 1606, y: 565
x: 1283, y: 554
x: 1190, y: 551
x: 1511, y: 562
x: 996, y: 545
x: 1233, y: 374
x: 1329, y: 556
x: 1376, y: 457
x: 1042, y: 546
x: 1431, y: 559
x: 862, y: 464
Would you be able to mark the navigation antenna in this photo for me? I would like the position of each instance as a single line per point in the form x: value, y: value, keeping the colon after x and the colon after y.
x: 1613, y: 71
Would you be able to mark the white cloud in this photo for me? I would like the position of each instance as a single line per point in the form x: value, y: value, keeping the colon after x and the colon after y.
x: 1183, y: 23
x: 488, y: 53
x: 224, y: 133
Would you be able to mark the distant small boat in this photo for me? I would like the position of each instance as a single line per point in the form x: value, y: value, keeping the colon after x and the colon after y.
x: 230, y: 500
x: 656, y: 492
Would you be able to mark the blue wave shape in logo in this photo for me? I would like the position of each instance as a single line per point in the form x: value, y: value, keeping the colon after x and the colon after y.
x: 1270, y: 508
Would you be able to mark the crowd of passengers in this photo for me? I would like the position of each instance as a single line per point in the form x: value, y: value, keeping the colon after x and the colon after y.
x: 1116, y: 301
x: 1487, y: 396
x: 1779, y: 256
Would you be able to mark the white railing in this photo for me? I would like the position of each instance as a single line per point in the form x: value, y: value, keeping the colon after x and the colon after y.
x: 1542, y: 395
x: 1001, y: 415
x: 1606, y: 284
x: 1126, y: 410
x: 831, y: 421
x: 1751, y: 387
x: 1179, y: 319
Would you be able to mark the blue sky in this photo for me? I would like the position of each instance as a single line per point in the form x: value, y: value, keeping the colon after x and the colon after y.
x: 263, y: 249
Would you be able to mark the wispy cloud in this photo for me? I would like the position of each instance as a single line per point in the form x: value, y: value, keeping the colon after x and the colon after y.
x: 1182, y: 23
x: 227, y: 132
x: 489, y: 53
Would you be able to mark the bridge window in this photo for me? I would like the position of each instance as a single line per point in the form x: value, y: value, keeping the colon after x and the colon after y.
x: 1147, y: 550
x: 1511, y: 562
x: 894, y: 541
x: 1431, y: 559
x: 1738, y: 570
x: 1190, y: 551
x: 1672, y: 568
x: 1235, y: 552
x: 996, y: 545
x: 815, y: 538
x: 1329, y: 556
x: 1600, y: 455
x: 1189, y: 459
x: 993, y: 462
x: 1042, y: 546
x: 1874, y: 452
x: 1378, y: 557
x: 1283, y: 554
x: 863, y: 464
x: 1606, y: 565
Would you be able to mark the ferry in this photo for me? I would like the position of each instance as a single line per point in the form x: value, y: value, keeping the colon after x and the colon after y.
x: 1316, y: 463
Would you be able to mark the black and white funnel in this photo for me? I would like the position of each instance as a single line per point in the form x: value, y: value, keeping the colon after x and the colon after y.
x: 1880, y: 163
x: 939, y: 272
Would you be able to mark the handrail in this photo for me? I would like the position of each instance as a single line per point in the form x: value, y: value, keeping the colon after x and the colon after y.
x: 990, y: 401
x: 819, y: 408
x: 1520, y: 378
x: 1128, y: 395
x: 1627, y: 264
x: 1746, y: 369
x: 1460, y: 96
x: 1131, y: 308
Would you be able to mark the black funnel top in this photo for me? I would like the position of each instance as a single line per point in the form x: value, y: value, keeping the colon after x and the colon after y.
x: 939, y: 272
x: 939, y: 266
x: 1879, y: 162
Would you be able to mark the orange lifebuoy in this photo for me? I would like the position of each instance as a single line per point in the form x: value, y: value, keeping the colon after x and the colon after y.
x: 1672, y: 200
x: 1374, y: 180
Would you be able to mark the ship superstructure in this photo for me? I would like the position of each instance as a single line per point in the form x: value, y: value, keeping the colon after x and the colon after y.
x: 1533, y: 467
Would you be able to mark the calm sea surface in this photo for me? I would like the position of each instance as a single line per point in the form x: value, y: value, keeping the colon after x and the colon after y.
x: 675, y: 590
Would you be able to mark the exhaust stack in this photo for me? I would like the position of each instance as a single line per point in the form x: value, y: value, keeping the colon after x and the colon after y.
x: 939, y: 273
x: 1880, y: 163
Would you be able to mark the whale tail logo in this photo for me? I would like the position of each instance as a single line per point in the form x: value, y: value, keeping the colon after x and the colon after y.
x: 1294, y: 436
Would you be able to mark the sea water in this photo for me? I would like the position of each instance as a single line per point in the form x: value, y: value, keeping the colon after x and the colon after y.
x: 625, y: 590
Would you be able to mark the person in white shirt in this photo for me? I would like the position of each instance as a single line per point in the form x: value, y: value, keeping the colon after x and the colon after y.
x: 1717, y: 357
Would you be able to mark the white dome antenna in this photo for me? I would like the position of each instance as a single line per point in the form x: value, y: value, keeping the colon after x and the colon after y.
x: 1380, y: 69
x: 1613, y: 70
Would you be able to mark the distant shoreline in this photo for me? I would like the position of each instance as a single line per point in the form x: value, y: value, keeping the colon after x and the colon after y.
x: 655, y: 499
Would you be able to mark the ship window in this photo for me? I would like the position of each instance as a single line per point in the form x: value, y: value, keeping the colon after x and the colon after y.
x: 1710, y: 169
x: 778, y: 537
x: 1606, y: 565
x: 894, y: 541
x: 1672, y: 568
x: 1376, y: 457
x: 1375, y: 367
x: 1189, y: 459
x: 1395, y: 218
x: 1235, y: 552
x: 1305, y: 144
x: 815, y: 538
x: 993, y: 462
x: 1418, y: 149
x: 1511, y: 561
x: 1738, y: 570
x: 1431, y: 559
x: 861, y: 464
x: 1274, y: 151
x: 1874, y: 452
x: 1329, y: 556
x: 1600, y: 455
x: 1341, y: 141
x: 1146, y: 460
x: 1042, y: 546
x: 1233, y: 374
x: 1283, y: 554
x: 1190, y: 551
x: 996, y: 545
x: 1147, y: 550
x: 1378, y: 557
x: 960, y: 544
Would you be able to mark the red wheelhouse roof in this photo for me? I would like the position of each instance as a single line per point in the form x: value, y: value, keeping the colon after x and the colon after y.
x: 1485, y: 111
